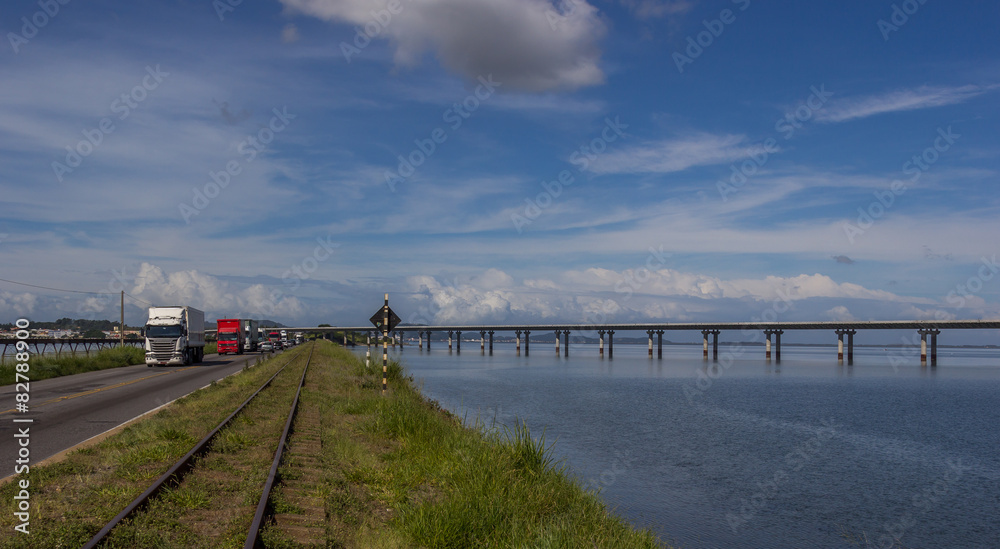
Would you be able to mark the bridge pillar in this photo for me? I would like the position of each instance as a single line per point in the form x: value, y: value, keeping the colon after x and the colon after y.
x: 527, y: 341
x: 850, y: 346
x: 777, y: 345
x: 767, y: 344
x: 558, y: 334
x: 450, y: 334
x: 659, y: 343
x: 650, y: 351
x: 458, y: 342
x: 715, y: 345
x: 840, y: 345
x: 518, y: 334
x: 482, y: 342
x: 428, y: 340
x: 704, y: 344
x: 611, y: 343
x: 600, y: 343
x: 345, y: 338
x: 934, y: 335
x: 565, y: 343
x: 491, y: 342
x: 924, y: 332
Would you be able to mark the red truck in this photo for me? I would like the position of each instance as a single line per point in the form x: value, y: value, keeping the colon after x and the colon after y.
x: 229, y: 336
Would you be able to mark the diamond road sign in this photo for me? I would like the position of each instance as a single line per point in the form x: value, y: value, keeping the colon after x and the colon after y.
x: 379, y: 317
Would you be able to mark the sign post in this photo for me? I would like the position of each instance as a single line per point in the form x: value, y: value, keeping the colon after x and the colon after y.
x: 385, y: 319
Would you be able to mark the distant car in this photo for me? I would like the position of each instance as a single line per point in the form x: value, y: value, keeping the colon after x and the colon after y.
x: 277, y: 344
x: 265, y: 346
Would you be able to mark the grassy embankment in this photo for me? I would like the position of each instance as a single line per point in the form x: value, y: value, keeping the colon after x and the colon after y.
x: 396, y: 471
x: 45, y: 367
x: 48, y: 366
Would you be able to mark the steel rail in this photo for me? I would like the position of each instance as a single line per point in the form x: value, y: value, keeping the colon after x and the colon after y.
x: 177, y: 471
x: 258, y: 518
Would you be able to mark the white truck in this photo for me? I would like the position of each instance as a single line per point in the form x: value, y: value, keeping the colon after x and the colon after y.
x: 251, y: 335
x: 175, y: 336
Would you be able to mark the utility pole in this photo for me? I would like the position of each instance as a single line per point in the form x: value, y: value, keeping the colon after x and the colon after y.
x: 122, y: 325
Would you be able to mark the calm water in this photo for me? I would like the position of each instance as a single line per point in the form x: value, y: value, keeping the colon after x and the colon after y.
x: 802, y: 454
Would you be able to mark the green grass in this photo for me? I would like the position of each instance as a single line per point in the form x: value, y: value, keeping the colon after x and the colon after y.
x: 211, y: 348
x: 450, y: 486
x: 45, y: 367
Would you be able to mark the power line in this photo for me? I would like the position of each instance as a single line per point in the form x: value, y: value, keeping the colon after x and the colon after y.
x: 71, y: 291
x: 54, y: 289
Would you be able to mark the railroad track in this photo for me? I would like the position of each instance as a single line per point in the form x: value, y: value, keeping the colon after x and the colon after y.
x: 180, y: 470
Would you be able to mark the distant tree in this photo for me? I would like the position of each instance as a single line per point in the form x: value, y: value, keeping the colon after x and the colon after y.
x: 94, y: 333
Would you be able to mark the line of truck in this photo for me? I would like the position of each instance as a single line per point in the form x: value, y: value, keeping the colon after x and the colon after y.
x: 175, y: 335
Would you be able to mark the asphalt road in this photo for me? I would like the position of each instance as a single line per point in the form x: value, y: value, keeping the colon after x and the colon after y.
x: 71, y: 409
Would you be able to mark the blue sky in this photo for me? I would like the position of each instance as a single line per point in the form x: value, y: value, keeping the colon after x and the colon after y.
x: 502, y: 160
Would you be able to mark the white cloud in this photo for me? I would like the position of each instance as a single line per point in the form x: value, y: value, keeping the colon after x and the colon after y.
x: 923, y: 97
x: 21, y: 304
x: 674, y: 155
x: 525, y: 44
x: 290, y: 33
x: 218, y: 298
x: 840, y: 313
x: 630, y: 295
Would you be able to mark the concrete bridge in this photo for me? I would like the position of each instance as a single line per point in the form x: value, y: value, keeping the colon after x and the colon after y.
x: 772, y: 332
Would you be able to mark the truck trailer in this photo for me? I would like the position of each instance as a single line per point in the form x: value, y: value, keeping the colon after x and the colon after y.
x: 251, y: 334
x: 229, y: 336
x: 175, y: 336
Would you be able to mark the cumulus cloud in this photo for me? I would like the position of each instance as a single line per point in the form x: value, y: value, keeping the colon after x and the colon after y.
x: 22, y: 304
x: 290, y: 33
x: 218, y: 298
x: 630, y: 295
x: 531, y: 45
x: 840, y: 313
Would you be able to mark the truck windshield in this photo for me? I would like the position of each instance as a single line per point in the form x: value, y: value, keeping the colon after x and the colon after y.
x: 163, y: 331
x: 228, y: 336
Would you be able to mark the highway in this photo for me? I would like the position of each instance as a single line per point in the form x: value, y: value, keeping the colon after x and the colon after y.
x: 71, y: 409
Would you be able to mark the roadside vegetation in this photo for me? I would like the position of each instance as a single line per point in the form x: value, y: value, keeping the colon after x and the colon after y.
x: 47, y: 366
x: 389, y: 471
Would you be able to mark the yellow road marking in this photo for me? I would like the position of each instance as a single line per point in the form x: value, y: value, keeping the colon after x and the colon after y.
x: 115, y: 386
